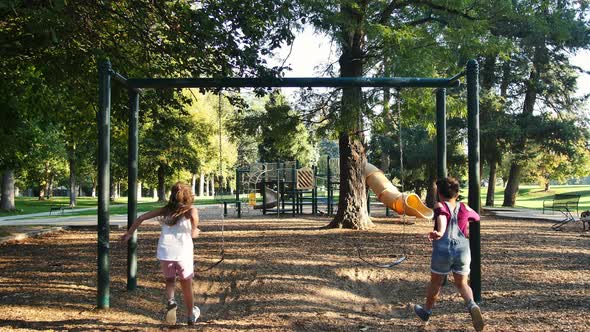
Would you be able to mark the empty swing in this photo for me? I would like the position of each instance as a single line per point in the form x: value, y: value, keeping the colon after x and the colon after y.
x: 403, y: 255
x: 218, y: 209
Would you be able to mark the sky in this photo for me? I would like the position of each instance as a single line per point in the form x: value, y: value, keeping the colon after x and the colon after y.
x: 311, y: 50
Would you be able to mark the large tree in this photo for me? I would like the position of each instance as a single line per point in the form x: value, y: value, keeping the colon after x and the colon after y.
x: 363, y: 31
x: 546, y: 32
x: 66, y: 39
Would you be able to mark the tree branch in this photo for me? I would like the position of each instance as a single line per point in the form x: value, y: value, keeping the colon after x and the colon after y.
x: 388, y: 11
x: 445, y: 9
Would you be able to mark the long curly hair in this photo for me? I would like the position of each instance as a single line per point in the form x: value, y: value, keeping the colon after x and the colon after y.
x: 180, y: 202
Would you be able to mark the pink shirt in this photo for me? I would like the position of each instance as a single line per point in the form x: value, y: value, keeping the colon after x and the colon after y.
x: 464, y: 216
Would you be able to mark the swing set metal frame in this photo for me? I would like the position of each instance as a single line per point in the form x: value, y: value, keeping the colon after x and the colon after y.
x: 135, y: 85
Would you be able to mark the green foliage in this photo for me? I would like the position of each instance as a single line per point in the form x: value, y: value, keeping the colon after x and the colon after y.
x: 280, y: 133
x: 64, y: 40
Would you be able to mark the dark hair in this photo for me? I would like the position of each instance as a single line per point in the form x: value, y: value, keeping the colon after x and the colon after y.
x: 181, y: 201
x: 448, y: 187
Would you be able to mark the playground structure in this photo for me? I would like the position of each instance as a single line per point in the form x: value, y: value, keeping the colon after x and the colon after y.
x: 135, y: 85
x: 287, y: 188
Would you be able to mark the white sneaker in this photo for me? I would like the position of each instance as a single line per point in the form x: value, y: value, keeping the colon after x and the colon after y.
x: 192, y: 319
x: 171, y: 312
x: 476, y: 317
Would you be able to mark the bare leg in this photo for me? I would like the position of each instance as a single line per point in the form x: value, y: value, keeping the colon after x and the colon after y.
x: 170, y: 302
x: 433, y: 289
x: 467, y: 294
x: 463, y: 287
x: 187, y: 294
x: 170, y: 287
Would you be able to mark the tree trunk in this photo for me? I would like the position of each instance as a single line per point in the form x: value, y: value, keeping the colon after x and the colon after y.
x: 431, y: 194
x: 352, y: 205
x: 229, y: 186
x: 194, y: 184
x: 212, y: 177
x: 113, y: 191
x: 42, y: 191
x: 385, y: 161
x: 512, y: 185
x: 161, y: 184
x: 93, y: 194
x: 491, y: 184
x: 44, y: 184
x: 72, y: 162
x: 201, y: 184
x: 528, y: 108
x: 49, y: 187
x: 139, y: 189
x: 206, y: 185
x: 7, y: 199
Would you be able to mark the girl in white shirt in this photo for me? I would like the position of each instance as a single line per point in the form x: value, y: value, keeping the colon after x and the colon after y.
x: 178, y: 220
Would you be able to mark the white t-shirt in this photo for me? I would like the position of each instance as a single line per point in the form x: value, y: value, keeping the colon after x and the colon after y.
x: 175, y: 243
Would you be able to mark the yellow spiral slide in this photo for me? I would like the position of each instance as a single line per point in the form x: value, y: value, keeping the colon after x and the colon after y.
x: 391, y: 197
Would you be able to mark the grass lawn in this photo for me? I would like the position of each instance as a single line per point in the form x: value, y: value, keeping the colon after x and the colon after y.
x: 532, y: 196
x: 529, y: 196
x: 29, y: 205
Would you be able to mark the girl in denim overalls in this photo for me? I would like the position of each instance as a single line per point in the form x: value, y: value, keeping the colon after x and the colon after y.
x: 450, y: 250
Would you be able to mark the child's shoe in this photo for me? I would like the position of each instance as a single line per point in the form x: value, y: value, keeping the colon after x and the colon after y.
x: 192, y: 319
x: 422, y: 313
x: 171, y: 312
x: 476, y: 317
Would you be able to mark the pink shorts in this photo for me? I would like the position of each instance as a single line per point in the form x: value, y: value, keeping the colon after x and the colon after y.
x: 183, y: 269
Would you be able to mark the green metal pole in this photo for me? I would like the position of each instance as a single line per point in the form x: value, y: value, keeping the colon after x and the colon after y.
x: 104, y: 143
x: 329, y: 187
x: 263, y: 189
x: 441, y: 133
x: 281, y: 171
x: 132, y: 187
x: 474, y: 176
x: 299, y: 193
x: 293, y: 190
x: 314, y: 191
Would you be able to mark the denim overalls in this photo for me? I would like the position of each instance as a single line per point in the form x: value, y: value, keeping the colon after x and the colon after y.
x: 451, y: 252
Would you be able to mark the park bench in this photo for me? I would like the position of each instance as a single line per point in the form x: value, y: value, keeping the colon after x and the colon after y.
x: 564, y: 203
x: 60, y: 207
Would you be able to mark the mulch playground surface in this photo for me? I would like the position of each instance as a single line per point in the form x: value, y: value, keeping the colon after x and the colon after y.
x: 287, y: 274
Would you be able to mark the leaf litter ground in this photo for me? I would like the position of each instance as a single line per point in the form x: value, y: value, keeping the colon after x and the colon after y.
x: 288, y: 274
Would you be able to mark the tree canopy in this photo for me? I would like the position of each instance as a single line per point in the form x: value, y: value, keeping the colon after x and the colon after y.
x: 530, y: 113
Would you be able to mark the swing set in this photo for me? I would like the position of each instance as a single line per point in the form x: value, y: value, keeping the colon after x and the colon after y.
x: 135, y: 86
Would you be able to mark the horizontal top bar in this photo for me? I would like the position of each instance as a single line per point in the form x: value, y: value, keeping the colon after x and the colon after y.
x: 122, y: 79
x: 295, y: 82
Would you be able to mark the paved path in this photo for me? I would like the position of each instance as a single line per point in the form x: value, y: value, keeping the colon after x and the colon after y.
x: 519, y: 213
x: 55, y: 213
x: 206, y: 211
x: 29, y: 224
x: 64, y: 221
x: 90, y: 220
